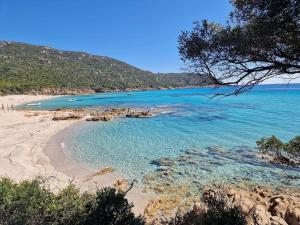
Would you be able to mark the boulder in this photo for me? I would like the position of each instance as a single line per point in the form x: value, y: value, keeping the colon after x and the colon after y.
x: 100, y: 118
x: 93, y: 119
x: 292, y: 216
x: 246, y: 205
x: 275, y: 220
x: 106, y: 118
x: 261, y: 216
x: 279, y: 209
x: 143, y: 114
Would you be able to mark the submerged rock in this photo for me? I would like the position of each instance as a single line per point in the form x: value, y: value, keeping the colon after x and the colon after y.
x: 163, y: 162
x: 105, y: 170
x: 101, y: 172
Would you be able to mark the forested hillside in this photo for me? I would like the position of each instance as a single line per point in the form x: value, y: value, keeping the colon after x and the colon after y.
x: 27, y: 68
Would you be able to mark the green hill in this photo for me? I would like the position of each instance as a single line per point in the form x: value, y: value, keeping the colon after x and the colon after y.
x: 27, y: 68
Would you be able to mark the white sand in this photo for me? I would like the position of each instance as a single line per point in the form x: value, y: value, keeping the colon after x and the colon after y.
x: 23, y: 137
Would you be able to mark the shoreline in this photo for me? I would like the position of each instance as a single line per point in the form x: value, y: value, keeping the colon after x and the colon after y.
x: 23, y: 136
x: 26, y: 152
x: 85, y: 178
x: 71, y: 92
x: 32, y: 145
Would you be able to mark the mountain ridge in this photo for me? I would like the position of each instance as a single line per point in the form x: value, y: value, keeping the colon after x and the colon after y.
x: 26, y: 68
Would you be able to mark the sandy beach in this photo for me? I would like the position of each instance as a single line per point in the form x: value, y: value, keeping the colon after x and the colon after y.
x: 30, y: 146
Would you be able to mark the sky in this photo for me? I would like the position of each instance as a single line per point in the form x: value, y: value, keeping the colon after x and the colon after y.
x: 143, y: 33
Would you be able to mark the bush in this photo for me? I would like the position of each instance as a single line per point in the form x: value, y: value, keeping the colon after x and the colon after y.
x: 111, y: 208
x: 31, y: 203
x: 26, y: 203
x: 218, y: 212
x: 293, y: 146
x: 285, y: 153
x: 270, y: 144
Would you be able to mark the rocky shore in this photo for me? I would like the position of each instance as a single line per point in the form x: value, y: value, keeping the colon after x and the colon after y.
x: 261, y: 206
x: 28, y: 149
x: 24, y: 135
x: 181, y: 189
x: 101, y: 115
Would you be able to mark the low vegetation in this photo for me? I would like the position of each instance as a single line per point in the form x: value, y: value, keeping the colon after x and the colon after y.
x: 32, y: 203
x: 218, y: 212
x: 280, y: 152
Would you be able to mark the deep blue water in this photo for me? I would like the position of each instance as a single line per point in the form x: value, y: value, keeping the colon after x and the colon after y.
x: 191, y: 124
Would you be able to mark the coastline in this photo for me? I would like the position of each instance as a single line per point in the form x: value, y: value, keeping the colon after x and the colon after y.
x: 75, y: 91
x: 23, y: 137
x: 32, y: 145
x: 30, y: 148
x: 84, y: 177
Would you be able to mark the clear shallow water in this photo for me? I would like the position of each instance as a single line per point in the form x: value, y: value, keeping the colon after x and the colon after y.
x: 190, y: 125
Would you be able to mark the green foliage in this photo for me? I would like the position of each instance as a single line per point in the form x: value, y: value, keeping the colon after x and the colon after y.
x: 260, y: 41
x: 217, y: 213
x: 31, y: 203
x: 287, y: 153
x: 271, y: 144
x: 293, y: 146
x: 24, y: 68
x: 111, y: 208
x: 26, y: 203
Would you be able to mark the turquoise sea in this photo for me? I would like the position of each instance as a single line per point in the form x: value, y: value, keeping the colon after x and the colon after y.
x: 209, y: 140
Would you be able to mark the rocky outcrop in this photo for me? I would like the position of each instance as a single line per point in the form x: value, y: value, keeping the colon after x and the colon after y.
x: 264, y: 206
x: 67, y: 117
x: 261, y: 215
x: 143, y: 114
x: 107, y: 115
x: 111, y: 114
x: 165, y: 207
x: 100, y: 118
x: 101, y: 172
x: 292, y: 216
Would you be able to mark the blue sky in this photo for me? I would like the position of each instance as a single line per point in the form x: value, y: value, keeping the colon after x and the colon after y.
x: 140, y: 32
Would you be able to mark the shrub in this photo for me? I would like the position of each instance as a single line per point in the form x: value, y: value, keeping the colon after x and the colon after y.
x: 271, y: 144
x: 293, y: 146
x: 285, y: 153
x: 31, y: 203
x: 218, y: 212
x: 111, y: 208
x: 26, y: 203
